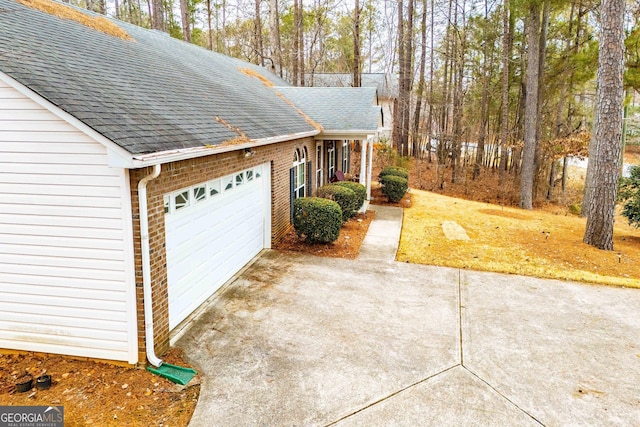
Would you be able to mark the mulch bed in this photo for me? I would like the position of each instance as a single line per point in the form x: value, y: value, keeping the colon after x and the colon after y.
x: 347, y: 246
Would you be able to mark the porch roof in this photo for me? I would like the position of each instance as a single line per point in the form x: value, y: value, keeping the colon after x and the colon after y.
x: 343, y: 112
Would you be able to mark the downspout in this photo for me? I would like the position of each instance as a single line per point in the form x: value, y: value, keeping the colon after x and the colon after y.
x: 146, y: 266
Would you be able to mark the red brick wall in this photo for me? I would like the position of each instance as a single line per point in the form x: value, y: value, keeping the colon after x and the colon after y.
x: 177, y: 175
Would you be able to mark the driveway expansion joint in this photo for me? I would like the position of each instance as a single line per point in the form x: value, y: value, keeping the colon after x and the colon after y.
x: 395, y: 393
x: 511, y: 402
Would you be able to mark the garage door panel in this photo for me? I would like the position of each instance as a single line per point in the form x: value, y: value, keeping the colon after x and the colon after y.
x: 189, y: 238
x: 214, y: 239
x: 210, y: 241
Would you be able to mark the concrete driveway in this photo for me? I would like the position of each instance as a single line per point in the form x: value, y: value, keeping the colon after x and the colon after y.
x: 307, y: 341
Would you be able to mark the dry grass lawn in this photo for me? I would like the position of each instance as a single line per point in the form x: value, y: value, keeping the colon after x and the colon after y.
x: 511, y: 240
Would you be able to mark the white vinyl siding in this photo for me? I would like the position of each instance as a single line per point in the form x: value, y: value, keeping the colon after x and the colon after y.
x: 66, y: 268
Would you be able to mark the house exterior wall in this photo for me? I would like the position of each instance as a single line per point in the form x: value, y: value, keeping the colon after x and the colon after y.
x: 387, y: 113
x: 338, y: 156
x: 177, y: 175
x: 66, y: 270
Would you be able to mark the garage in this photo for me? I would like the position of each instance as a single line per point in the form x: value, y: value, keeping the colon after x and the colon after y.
x: 213, y: 229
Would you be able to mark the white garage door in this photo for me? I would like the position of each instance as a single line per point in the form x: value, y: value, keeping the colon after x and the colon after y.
x: 213, y: 229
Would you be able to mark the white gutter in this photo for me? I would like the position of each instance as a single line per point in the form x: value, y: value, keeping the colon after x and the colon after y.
x: 146, y: 266
x: 347, y: 134
x: 144, y: 160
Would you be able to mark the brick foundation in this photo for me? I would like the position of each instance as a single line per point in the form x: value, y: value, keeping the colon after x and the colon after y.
x: 177, y: 175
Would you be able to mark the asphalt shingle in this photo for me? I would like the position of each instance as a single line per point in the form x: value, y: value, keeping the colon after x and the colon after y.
x: 337, y: 108
x: 151, y: 94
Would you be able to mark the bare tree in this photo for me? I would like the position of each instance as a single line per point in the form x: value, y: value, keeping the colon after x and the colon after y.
x: 484, y: 116
x: 531, y: 107
x: 459, y: 64
x: 274, y: 37
x: 301, y: 69
x: 295, y: 51
x: 157, y: 20
x: 608, y: 139
x: 210, y: 33
x: 357, y: 67
x: 431, y: 63
x: 421, y: 81
x: 537, y: 163
x: 257, y: 34
x: 403, y: 101
x: 397, y: 115
x: 98, y: 6
x: 185, y: 15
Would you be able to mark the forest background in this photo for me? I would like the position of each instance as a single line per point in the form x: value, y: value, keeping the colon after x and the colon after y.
x: 480, y: 86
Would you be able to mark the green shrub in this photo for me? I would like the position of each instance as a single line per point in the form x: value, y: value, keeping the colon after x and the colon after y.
x: 359, y: 189
x: 394, y: 187
x: 316, y: 219
x: 343, y: 196
x: 395, y: 171
x: 629, y: 194
x: 575, y: 209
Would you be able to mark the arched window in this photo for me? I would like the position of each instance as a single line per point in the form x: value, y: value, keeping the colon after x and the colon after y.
x: 300, y: 173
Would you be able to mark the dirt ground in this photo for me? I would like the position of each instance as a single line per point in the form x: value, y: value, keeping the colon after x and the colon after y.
x: 100, y: 394
x: 632, y: 154
x: 487, y: 188
x: 347, y: 246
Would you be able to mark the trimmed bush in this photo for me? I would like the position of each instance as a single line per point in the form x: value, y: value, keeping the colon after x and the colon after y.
x: 394, y: 187
x: 343, y: 196
x: 629, y: 194
x: 317, y: 220
x: 356, y: 187
x: 395, y: 171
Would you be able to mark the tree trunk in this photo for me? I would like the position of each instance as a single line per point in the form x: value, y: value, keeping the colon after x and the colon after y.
x: 186, y: 20
x: 356, y: 46
x: 97, y: 6
x: 257, y: 32
x: 431, y: 59
x: 485, y: 96
x: 459, y: 55
x: 609, y: 104
x: 558, y: 131
x: 420, y: 91
x: 408, y: 78
x: 397, y: 110
x: 295, y: 51
x: 531, y: 108
x: 504, y: 125
x: 592, y: 165
x: 157, y: 20
x: 542, y: 53
x: 301, y: 44
x: 274, y: 37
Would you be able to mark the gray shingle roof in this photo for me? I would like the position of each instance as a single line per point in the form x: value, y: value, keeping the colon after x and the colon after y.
x: 148, y: 95
x: 338, y: 108
x: 387, y: 84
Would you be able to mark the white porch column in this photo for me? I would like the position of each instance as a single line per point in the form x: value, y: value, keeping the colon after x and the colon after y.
x: 369, y: 166
x: 363, y: 162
